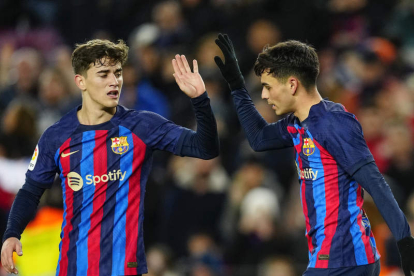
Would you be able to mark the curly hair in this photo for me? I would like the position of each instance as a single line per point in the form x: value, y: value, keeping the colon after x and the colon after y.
x: 289, y: 58
x: 98, y: 51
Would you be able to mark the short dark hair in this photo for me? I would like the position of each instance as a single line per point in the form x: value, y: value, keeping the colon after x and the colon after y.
x: 289, y: 58
x: 98, y: 51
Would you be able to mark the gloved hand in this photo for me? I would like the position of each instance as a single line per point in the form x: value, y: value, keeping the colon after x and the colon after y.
x: 230, y: 69
x: 406, y: 248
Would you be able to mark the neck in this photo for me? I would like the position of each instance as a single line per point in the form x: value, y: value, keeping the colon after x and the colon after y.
x: 305, y: 101
x: 90, y: 115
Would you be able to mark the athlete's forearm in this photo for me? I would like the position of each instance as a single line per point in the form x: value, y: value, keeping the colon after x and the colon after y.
x: 261, y: 135
x: 23, y: 209
x: 369, y: 177
x: 203, y: 143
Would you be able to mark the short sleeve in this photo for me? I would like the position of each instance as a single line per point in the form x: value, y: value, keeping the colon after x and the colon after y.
x: 157, y: 132
x: 345, y: 141
x: 42, y: 167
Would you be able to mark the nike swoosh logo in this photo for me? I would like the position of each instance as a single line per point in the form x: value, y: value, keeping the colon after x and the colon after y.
x: 67, y: 154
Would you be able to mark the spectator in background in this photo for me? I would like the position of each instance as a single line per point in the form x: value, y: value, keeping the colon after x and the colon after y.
x: 201, y: 185
x: 26, y: 65
x: 55, y: 99
x: 159, y: 258
x: 19, y: 131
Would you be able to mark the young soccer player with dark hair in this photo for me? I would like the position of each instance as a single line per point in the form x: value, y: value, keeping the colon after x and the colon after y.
x: 103, y: 153
x: 333, y: 161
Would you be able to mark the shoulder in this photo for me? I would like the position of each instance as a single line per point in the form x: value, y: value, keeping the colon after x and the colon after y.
x: 61, y: 130
x: 139, y: 120
x: 335, y: 115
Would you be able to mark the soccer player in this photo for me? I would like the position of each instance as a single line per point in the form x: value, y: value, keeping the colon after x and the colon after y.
x: 103, y: 153
x: 333, y: 161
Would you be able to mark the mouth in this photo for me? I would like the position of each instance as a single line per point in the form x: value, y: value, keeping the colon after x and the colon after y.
x: 113, y: 94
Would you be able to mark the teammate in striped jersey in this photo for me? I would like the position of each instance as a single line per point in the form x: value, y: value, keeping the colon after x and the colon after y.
x: 333, y: 161
x: 102, y: 153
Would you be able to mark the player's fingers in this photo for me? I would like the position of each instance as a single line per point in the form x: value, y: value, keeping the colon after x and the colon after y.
x: 186, y: 65
x: 223, y: 40
x: 18, y: 249
x: 219, y: 62
x: 177, y: 79
x: 177, y: 70
x: 229, y: 41
x: 180, y: 64
x: 195, y: 66
x: 223, y: 48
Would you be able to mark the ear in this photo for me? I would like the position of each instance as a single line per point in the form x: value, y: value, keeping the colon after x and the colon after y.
x: 293, y: 84
x: 80, y: 82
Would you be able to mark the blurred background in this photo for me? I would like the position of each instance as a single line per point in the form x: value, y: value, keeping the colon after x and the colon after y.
x: 239, y: 214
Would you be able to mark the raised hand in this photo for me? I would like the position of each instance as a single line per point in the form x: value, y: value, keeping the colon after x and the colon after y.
x: 189, y: 82
x: 230, y: 68
x: 9, y: 246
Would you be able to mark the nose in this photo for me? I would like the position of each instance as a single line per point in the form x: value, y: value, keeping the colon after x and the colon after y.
x: 114, y: 80
x: 265, y: 94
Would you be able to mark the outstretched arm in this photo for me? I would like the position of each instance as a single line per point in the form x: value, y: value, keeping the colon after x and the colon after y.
x: 369, y: 177
x: 23, y: 210
x: 261, y: 135
x: 203, y: 143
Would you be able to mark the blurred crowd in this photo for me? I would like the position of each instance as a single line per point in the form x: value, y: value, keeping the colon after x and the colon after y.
x: 239, y: 214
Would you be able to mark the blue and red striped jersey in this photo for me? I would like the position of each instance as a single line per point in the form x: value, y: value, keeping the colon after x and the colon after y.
x: 329, y: 148
x: 103, y: 170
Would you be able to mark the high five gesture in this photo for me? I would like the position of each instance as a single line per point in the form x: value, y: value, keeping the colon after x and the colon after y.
x: 189, y: 82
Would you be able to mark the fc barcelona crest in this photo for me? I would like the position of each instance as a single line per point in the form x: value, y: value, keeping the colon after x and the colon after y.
x: 308, y: 146
x: 119, y: 145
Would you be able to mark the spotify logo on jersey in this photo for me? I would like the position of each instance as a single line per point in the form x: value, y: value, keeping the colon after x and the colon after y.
x: 75, y: 181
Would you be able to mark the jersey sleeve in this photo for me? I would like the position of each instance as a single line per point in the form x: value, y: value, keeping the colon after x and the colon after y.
x: 345, y: 141
x: 261, y: 135
x: 42, y: 167
x: 157, y: 132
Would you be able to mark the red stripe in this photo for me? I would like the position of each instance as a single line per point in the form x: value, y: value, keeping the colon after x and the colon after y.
x: 134, y: 200
x: 330, y: 169
x: 94, y: 233
x: 298, y: 149
x: 65, y: 162
x: 365, y: 238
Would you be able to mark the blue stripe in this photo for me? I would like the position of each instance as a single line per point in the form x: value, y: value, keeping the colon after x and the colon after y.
x: 119, y: 239
x: 374, y: 247
x: 107, y: 226
x: 359, y: 247
x: 320, y: 198
x: 64, y: 207
x: 86, y: 168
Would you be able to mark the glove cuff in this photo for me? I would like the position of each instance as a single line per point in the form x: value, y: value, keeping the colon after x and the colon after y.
x: 237, y: 83
x: 405, y: 244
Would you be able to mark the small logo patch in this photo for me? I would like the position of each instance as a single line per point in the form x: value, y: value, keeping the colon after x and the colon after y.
x: 132, y: 264
x: 120, y: 145
x: 323, y: 257
x: 32, y: 163
x: 75, y: 181
x: 69, y: 153
x: 308, y: 146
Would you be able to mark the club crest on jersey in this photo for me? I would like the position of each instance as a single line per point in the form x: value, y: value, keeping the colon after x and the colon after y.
x: 308, y: 146
x: 119, y: 145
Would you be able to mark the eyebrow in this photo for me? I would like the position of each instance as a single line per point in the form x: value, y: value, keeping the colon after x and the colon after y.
x: 107, y: 71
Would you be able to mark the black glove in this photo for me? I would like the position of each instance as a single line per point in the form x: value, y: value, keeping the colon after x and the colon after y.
x: 406, y: 248
x: 230, y: 70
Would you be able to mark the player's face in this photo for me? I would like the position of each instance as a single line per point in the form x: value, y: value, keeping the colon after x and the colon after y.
x: 102, y: 84
x: 277, y: 94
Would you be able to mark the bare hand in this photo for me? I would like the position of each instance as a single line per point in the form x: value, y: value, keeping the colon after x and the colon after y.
x: 9, y: 246
x: 190, y: 83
